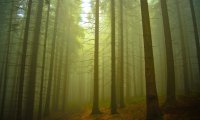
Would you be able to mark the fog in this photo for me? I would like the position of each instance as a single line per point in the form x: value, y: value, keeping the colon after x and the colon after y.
x: 59, y: 58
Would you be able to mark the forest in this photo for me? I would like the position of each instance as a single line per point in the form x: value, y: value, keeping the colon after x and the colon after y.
x: 99, y: 60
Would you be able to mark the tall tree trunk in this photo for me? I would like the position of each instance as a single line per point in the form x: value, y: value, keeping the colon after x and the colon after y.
x: 2, y: 72
x: 128, y: 70
x: 49, y: 86
x: 66, y: 79
x: 33, y: 67
x: 55, y: 74
x: 171, y: 97
x: 23, y: 63
x: 103, y: 77
x: 195, y: 31
x: 133, y: 65
x: 113, y: 77
x: 95, y: 108
x: 128, y: 85
x: 153, y: 111
x: 183, y: 49
x: 121, y: 99
x: 40, y: 112
x: 57, y: 95
x: 5, y: 80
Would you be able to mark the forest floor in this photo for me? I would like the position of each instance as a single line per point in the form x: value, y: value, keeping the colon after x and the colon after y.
x: 186, y: 108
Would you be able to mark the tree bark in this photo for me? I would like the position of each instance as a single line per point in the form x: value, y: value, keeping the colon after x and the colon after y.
x: 195, y: 31
x: 183, y: 49
x: 121, y: 26
x: 95, y: 108
x: 171, y: 97
x: 49, y: 86
x: 40, y: 114
x: 153, y: 111
x: 5, y: 78
x: 33, y: 68
x: 23, y: 62
x: 113, y: 77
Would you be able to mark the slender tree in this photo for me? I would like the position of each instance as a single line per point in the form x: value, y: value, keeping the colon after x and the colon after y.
x: 121, y: 99
x: 196, y: 35
x: 171, y: 97
x: 57, y: 95
x: 43, y: 62
x: 128, y: 86
x: 153, y: 111
x: 66, y: 79
x: 23, y: 62
x: 95, y: 108
x: 33, y: 66
x: 183, y: 49
x: 50, y: 78
x: 113, y: 77
x: 6, y: 62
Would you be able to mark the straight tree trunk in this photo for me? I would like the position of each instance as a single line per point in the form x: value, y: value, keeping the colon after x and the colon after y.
x: 195, y: 31
x: 95, y: 108
x: 23, y: 63
x: 49, y: 86
x: 183, y: 49
x: 57, y: 95
x: 153, y: 111
x: 5, y: 80
x: 66, y: 80
x: 128, y: 86
x: 33, y: 67
x: 103, y: 77
x: 40, y: 115
x: 113, y: 77
x: 134, y: 80
x: 121, y: 99
x: 171, y: 97
x: 55, y: 74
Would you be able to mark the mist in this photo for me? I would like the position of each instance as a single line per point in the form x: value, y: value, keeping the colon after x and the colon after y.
x: 99, y: 59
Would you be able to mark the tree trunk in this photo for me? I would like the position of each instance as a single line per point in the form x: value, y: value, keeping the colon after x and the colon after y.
x: 23, y: 62
x: 57, y: 95
x: 171, y: 97
x: 5, y: 78
x: 121, y: 26
x: 183, y: 49
x: 49, y: 86
x: 66, y: 80
x: 113, y: 79
x: 95, y: 108
x: 128, y: 90
x: 153, y: 111
x: 33, y: 67
x: 195, y: 31
x: 40, y: 114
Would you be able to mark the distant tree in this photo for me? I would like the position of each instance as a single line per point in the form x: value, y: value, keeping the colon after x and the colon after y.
x: 33, y: 67
x: 113, y: 77
x: 95, y: 108
x: 50, y: 78
x: 66, y: 78
x: 58, y: 80
x: 23, y: 62
x: 153, y: 111
x: 121, y: 29
x: 194, y: 21
x: 183, y: 49
x: 40, y: 115
x: 5, y: 76
x: 128, y: 85
x: 171, y: 97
